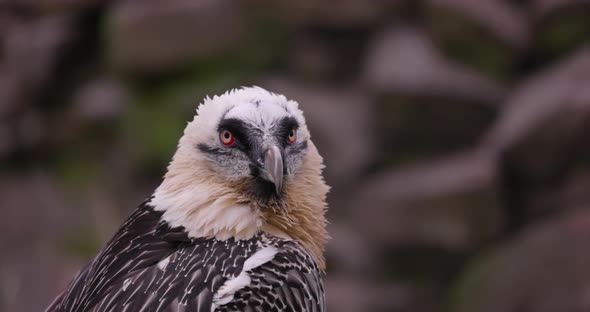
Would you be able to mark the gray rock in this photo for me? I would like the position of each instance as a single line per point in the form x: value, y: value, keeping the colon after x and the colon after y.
x: 30, y: 130
x: 570, y: 193
x: 348, y: 13
x: 547, y: 115
x: 346, y: 294
x: 12, y: 94
x: 55, y: 6
x: 544, y: 269
x: 100, y: 100
x: 453, y: 203
x: 402, y: 60
x: 499, y: 18
x: 416, y: 86
x: 30, y: 51
x: 31, y: 48
x: 7, y: 140
x: 154, y: 36
x: 320, y: 57
x: 38, y: 271
x: 35, y: 217
x: 348, y: 252
x: 545, y: 7
x: 33, y: 199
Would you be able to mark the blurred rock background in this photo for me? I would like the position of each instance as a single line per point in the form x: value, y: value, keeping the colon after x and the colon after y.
x: 455, y: 134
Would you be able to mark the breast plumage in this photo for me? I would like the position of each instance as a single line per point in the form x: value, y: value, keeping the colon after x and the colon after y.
x: 236, y: 225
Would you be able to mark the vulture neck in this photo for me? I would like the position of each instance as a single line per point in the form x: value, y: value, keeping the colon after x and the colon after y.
x: 196, y: 198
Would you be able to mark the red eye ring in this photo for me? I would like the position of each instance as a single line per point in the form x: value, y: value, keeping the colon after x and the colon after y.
x: 226, y: 137
x: 292, y: 137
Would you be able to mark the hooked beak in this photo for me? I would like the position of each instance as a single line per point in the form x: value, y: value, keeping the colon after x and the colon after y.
x: 273, y: 167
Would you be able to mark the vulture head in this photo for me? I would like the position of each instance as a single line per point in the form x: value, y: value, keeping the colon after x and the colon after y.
x: 246, y: 164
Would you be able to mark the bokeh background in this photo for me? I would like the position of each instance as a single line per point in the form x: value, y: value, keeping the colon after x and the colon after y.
x: 455, y: 134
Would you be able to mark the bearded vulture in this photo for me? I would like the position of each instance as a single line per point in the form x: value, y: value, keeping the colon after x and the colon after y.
x: 237, y: 223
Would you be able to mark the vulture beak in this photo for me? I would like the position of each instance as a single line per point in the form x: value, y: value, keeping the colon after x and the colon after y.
x: 273, y: 167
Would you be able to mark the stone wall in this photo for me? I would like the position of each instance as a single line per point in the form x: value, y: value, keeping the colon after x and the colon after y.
x: 455, y: 135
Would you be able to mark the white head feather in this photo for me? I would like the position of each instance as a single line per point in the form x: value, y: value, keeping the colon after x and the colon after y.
x: 208, y: 204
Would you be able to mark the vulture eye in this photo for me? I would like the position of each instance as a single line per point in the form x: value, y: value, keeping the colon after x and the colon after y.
x: 292, y: 136
x: 226, y: 137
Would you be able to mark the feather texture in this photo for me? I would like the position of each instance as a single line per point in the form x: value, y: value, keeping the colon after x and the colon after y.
x: 148, y: 266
